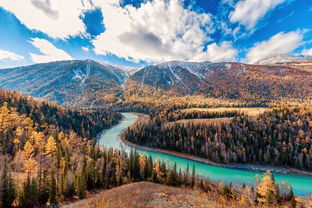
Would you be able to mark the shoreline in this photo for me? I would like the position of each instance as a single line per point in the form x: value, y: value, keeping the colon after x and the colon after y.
x: 251, y: 167
x: 303, y: 172
x: 101, y: 133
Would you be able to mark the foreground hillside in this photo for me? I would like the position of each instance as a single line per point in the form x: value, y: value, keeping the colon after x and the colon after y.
x: 46, y: 150
x: 146, y: 194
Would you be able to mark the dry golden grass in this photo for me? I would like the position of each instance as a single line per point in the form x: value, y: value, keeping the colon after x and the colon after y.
x: 247, y: 111
x: 145, y: 194
x: 152, y: 195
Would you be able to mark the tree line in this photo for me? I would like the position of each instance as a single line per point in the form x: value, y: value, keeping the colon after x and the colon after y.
x: 179, y: 115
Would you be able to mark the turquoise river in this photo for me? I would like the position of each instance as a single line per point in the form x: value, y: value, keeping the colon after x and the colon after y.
x: 302, y: 184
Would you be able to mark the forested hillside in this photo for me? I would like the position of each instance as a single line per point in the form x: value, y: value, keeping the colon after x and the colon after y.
x: 161, y: 103
x: 71, y: 83
x: 281, y: 137
x: 45, y: 148
x: 43, y: 165
x: 224, y: 80
x: 83, y: 122
x: 86, y: 83
x: 45, y: 157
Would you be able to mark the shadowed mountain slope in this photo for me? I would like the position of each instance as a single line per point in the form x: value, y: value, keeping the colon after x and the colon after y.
x: 78, y: 82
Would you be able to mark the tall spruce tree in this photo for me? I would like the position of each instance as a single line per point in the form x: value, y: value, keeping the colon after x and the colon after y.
x: 7, y: 188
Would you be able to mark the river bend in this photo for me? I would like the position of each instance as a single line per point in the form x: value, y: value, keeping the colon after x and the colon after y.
x: 302, y: 184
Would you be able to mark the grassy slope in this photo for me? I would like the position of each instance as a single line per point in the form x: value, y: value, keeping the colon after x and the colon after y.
x: 152, y: 195
x: 145, y: 194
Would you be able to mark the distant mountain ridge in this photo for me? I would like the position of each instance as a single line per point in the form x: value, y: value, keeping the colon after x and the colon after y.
x: 82, y: 82
x: 88, y: 83
x: 225, y: 80
x: 283, y: 59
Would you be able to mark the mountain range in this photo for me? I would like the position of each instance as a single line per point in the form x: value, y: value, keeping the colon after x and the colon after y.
x: 84, y: 82
x: 227, y: 80
x: 88, y: 83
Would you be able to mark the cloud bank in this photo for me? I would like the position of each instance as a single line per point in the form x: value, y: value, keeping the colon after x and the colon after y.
x: 158, y: 31
x: 10, y: 55
x: 152, y: 31
x: 49, y: 52
x: 279, y: 44
x: 249, y: 12
x: 307, y: 52
x: 56, y: 18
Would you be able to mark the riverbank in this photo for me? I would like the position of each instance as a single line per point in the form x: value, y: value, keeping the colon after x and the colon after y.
x: 251, y: 167
x: 303, y: 172
x: 98, y: 137
x: 169, y: 152
x: 141, y: 118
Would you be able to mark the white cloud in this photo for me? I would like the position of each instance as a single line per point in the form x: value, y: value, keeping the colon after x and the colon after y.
x: 49, y: 51
x: 279, y: 44
x: 307, y: 52
x: 57, y: 18
x: 86, y: 49
x: 157, y: 31
x: 10, y: 55
x: 249, y: 12
x: 218, y: 53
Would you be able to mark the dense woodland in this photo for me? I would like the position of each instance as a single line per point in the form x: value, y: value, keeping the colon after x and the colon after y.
x: 281, y: 137
x: 42, y: 165
x: 178, y: 115
x: 164, y: 106
x: 85, y: 123
x: 50, y: 166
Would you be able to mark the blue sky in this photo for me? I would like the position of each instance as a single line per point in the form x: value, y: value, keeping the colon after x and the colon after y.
x: 136, y: 33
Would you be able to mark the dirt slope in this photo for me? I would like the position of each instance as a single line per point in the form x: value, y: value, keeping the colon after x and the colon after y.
x: 145, y: 194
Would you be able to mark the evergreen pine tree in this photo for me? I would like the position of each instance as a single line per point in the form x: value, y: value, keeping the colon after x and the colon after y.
x: 43, y: 192
x: 29, y: 193
x: 149, y: 167
x: 7, y: 188
x: 193, y: 176
x: 52, y: 189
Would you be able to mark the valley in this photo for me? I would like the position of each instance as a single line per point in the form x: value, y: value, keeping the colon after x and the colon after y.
x: 155, y: 104
x: 213, y: 171
x: 219, y: 129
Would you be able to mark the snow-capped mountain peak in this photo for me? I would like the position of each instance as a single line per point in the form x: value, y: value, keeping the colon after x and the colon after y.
x: 196, y: 68
x: 282, y: 59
